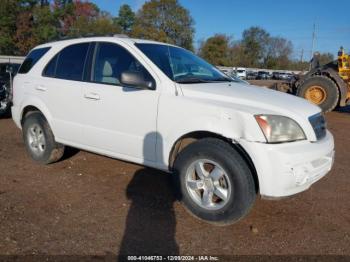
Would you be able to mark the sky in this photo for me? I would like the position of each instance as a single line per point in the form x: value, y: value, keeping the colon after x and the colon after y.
x: 291, y: 19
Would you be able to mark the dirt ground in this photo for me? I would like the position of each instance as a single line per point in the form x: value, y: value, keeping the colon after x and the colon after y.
x: 93, y: 205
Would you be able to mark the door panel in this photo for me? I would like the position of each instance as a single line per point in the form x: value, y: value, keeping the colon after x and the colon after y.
x: 62, y: 98
x: 61, y: 88
x: 120, y: 120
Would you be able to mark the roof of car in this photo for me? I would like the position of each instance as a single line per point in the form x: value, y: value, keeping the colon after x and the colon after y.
x: 100, y: 38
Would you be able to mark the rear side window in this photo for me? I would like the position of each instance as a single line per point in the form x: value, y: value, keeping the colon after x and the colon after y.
x: 71, y: 60
x: 50, y: 69
x: 32, y: 59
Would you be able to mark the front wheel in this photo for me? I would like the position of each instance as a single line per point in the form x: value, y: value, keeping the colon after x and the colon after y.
x: 214, y: 182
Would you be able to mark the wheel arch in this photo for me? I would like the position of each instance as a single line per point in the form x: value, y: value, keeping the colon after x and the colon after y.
x: 191, y: 137
x: 34, y: 106
x: 26, y: 111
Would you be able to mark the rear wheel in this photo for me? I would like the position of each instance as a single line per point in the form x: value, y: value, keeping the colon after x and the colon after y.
x: 321, y: 91
x: 39, y: 139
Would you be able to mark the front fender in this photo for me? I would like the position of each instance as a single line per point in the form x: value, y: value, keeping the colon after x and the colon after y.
x: 191, y: 116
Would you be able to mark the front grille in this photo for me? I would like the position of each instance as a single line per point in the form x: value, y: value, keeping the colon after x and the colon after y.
x: 318, y: 123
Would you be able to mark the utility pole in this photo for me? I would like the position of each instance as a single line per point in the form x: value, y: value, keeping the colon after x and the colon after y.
x: 313, y: 40
x: 302, y: 55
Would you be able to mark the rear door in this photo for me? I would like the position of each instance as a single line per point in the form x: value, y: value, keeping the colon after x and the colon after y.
x: 62, y: 87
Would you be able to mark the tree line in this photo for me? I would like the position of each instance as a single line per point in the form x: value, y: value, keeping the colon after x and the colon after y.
x: 256, y: 49
x: 27, y: 23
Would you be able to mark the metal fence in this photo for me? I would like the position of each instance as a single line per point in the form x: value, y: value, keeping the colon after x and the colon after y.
x: 11, y: 59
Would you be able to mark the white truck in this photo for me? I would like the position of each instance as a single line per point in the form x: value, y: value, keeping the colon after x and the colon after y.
x: 161, y: 106
x: 241, y: 72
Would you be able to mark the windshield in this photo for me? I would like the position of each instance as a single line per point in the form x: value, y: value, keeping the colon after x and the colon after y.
x: 181, y: 65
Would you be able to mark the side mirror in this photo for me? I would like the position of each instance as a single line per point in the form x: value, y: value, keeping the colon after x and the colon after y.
x: 9, y: 69
x: 136, y: 79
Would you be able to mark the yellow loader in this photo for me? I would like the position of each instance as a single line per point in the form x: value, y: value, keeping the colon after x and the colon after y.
x: 327, y: 86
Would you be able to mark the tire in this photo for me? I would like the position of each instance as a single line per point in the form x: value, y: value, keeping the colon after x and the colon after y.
x: 326, y: 95
x: 236, y: 178
x: 39, y: 139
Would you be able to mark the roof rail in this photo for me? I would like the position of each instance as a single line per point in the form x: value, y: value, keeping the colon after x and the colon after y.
x: 62, y: 38
x: 82, y: 36
x: 121, y: 35
x: 88, y: 35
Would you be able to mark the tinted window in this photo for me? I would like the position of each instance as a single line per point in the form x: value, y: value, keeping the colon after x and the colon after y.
x: 50, y: 69
x: 111, y: 61
x: 2, y: 68
x: 71, y: 60
x: 15, y: 68
x: 181, y: 65
x: 32, y: 59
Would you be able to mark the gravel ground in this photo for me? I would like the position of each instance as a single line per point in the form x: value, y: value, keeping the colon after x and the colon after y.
x: 94, y: 205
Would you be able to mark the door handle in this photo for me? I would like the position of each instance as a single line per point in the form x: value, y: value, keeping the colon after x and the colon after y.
x: 92, y: 96
x: 41, y: 88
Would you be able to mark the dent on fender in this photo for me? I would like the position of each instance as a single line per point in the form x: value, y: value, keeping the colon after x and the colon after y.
x: 238, y: 127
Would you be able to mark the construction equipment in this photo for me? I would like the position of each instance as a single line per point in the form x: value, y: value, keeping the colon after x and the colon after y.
x: 7, y: 72
x: 327, y: 86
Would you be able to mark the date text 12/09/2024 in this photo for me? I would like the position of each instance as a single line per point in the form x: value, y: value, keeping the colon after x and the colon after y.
x: 172, y: 258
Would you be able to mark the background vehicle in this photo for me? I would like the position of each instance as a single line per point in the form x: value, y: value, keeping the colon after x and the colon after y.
x: 262, y: 75
x: 327, y: 86
x: 235, y: 78
x: 276, y: 75
x: 239, y: 80
x: 251, y: 75
x: 283, y: 76
x: 7, y: 72
x: 241, y: 72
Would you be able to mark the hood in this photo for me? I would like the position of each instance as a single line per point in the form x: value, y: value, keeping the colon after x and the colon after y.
x: 256, y: 100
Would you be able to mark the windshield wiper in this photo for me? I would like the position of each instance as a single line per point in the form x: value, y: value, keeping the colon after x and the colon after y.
x: 191, y: 80
x: 222, y: 80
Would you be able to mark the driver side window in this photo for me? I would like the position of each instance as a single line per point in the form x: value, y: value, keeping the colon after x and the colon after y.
x: 111, y: 61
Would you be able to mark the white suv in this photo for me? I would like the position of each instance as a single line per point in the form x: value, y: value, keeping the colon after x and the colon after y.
x: 161, y: 106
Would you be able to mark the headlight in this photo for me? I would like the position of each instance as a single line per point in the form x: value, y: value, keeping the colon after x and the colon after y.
x: 278, y: 129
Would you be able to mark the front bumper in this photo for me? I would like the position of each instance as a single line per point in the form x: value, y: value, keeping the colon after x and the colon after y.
x: 290, y: 168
